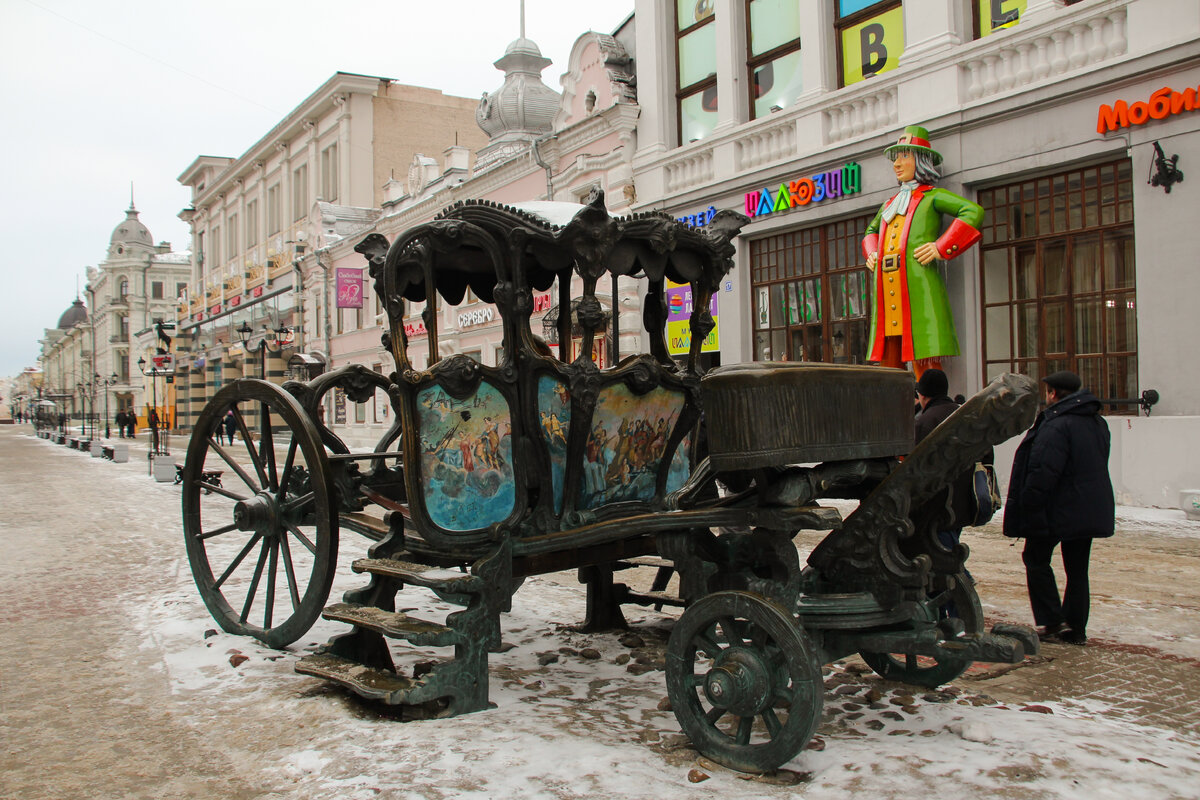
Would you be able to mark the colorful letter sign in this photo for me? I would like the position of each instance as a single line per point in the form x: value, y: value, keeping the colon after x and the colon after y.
x: 349, y: 287
x: 790, y: 194
x: 1162, y: 104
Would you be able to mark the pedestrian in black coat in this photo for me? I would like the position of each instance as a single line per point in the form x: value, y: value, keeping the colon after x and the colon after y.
x: 1060, y: 494
x: 120, y: 420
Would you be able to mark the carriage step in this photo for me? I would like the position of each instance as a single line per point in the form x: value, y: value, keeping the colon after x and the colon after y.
x: 372, y: 527
x: 653, y: 598
x: 649, y: 561
x: 440, y: 578
x: 395, y: 625
x: 373, y: 684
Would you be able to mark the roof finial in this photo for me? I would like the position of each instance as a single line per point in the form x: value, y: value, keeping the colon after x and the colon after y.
x: 131, y: 205
x: 522, y: 19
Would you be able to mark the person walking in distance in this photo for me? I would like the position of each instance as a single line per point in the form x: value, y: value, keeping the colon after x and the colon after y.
x: 1060, y: 495
x: 229, y: 423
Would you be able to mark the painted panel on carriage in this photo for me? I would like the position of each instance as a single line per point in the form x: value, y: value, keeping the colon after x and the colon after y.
x: 554, y: 415
x: 466, y: 458
x: 626, y: 445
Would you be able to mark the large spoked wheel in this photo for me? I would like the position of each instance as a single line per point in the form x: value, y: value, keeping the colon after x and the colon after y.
x: 263, y: 544
x: 744, y: 681
x: 962, y: 602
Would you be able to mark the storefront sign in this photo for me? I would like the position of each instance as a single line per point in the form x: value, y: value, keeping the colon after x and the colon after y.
x: 698, y: 220
x: 349, y: 285
x: 414, y: 329
x: 873, y: 46
x: 679, y: 312
x: 542, y: 302
x: 198, y: 316
x: 476, y: 317
x: 257, y: 291
x: 215, y: 310
x: 996, y: 15
x: 790, y: 194
x: 235, y: 301
x: 1162, y: 104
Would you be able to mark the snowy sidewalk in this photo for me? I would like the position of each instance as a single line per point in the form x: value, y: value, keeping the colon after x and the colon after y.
x: 115, y: 683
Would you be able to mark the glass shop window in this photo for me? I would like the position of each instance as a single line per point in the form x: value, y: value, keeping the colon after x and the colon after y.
x: 1059, y: 279
x: 870, y: 37
x: 696, y: 68
x: 773, y: 55
x: 811, y: 293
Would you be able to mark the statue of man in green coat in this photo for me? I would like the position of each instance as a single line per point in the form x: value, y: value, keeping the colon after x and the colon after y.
x: 911, y: 320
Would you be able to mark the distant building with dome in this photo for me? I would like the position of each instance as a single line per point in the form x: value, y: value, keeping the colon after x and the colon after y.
x: 112, y: 324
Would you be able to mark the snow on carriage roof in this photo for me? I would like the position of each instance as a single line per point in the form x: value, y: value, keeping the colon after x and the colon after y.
x: 553, y: 212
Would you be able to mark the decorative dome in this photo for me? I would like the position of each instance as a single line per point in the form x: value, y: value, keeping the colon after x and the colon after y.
x: 523, y: 108
x: 131, y: 231
x: 75, y: 315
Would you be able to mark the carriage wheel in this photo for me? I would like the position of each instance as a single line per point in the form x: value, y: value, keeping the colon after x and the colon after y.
x: 963, y: 603
x: 263, y: 544
x: 744, y: 681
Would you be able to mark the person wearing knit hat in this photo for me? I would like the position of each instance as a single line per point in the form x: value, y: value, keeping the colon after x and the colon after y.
x: 911, y: 320
x: 1060, y: 495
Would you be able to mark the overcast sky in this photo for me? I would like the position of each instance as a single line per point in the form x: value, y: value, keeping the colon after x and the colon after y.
x: 100, y: 95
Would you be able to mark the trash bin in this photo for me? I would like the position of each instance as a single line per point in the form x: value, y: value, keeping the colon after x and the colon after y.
x: 120, y: 453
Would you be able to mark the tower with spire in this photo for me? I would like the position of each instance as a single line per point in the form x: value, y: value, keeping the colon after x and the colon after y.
x: 522, y: 109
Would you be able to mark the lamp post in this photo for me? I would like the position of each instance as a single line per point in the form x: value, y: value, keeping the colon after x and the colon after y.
x: 107, y: 383
x: 83, y: 405
x: 273, y: 339
x: 153, y: 372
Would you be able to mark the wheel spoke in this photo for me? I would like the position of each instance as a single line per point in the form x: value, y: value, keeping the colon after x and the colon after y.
x: 233, y: 465
x: 267, y: 440
x: 258, y: 571
x: 271, y: 571
x: 299, y: 534
x: 221, y: 490
x: 729, y: 626
x: 240, y: 556
x: 294, y: 504
x: 771, y: 720
x: 707, y: 644
x: 291, y: 571
x: 286, y: 476
x: 745, y: 726
x: 254, y: 456
x: 217, y: 531
x: 911, y: 661
x: 714, y: 714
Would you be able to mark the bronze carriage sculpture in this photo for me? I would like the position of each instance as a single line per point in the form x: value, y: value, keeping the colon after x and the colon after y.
x: 540, y: 464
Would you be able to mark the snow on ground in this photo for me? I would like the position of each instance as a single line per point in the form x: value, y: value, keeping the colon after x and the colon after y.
x: 588, y: 727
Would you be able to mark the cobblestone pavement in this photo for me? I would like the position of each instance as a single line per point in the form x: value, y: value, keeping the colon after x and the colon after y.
x: 85, y: 708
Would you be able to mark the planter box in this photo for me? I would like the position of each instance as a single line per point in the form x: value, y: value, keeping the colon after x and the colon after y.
x: 162, y: 468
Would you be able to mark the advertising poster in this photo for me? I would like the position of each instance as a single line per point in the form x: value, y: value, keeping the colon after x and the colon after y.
x: 679, y: 312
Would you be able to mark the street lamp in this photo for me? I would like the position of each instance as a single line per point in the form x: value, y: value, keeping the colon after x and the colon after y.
x: 107, y: 383
x: 153, y: 372
x: 275, y: 340
x: 83, y: 404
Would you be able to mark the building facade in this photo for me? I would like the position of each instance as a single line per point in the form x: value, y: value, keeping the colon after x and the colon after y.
x: 541, y: 145
x: 1061, y: 119
x: 254, y: 217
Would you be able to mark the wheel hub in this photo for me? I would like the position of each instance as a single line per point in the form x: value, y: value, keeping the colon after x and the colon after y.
x: 739, y: 683
x: 258, y: 514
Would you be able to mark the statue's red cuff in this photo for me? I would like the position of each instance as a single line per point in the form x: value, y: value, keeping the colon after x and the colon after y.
x: 870, y: 244
x: 957, y: 238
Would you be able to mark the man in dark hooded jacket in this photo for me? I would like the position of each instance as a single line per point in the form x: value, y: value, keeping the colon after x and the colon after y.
x: 1060, y: 493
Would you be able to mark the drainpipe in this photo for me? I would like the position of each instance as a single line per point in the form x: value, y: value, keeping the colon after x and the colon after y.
x: 328, y: 323
x: 537, y: 159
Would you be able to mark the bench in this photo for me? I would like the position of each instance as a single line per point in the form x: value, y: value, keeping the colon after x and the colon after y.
x: 74, y: 443
x: 209, y: 476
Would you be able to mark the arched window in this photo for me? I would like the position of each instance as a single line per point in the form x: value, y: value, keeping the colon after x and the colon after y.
x: 124, y: 288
